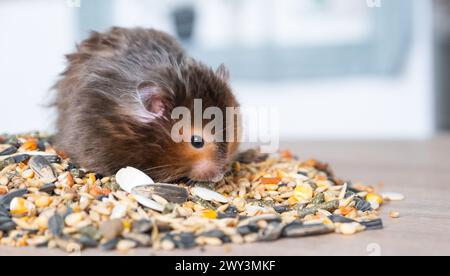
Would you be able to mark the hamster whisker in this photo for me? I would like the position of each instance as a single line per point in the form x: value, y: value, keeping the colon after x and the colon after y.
x: 159, y: 167
x: 171, y: 176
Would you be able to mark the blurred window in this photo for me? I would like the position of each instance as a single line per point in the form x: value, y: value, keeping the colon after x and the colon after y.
x: 274, y: 39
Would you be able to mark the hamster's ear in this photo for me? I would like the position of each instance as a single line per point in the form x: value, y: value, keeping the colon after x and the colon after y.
x: 152, y: 98
x: 223, y: 73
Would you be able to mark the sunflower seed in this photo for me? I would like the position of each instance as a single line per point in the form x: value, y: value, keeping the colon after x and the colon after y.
x: 7, y: 150
x: 297, y: 229
x: 251, y: 156
x: 281, y: 208
x: 42, y: 168
x: 204, y: 203
x: 272, y: 232
x: 4, y: 212
x: 376, y: 224
x: 328, y: 206
x: 5, y: 219
x: 142, y: 226
x: 15, y: 159
x: 41, y: 145
x: 7, y: 226
x: 88, y: 242
x: 248, y: 229
x: 77, y: 173
x: 171, y: 193
x: 267, y: 218
x: 215, y: 234
x: 184, y: 240
x: 91, y: 232
x: 54, y: 159
x: 225, y: 216
x: 340, y: 219
x: 110, y: 245
x: 56, y: 225
x: 48, y: 188
x: 362, y: 204
x: 5, y: 201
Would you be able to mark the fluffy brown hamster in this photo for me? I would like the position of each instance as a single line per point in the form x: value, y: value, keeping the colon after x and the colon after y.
x: 114, y: 104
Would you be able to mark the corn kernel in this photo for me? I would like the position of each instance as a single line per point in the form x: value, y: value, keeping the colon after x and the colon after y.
x: 210, y: 214
x: 126, y: 224
x: 43, y: 201
x: 91, y: 179
x: 374, y: 198
x: 303, y: 192
x: 21, y: 207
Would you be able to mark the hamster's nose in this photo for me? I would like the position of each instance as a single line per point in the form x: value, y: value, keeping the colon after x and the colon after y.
x: 206, y: 170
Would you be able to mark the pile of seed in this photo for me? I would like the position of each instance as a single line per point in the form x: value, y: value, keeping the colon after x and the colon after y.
x: 46, y: 201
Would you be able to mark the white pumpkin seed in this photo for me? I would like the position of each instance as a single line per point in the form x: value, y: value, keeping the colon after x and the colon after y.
x: 208, y: 195
x: 130, y: 177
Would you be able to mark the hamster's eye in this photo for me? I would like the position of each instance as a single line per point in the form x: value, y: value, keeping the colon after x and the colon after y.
x: 197, y: 142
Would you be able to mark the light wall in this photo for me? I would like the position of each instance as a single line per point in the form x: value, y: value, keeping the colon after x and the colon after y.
x: 358, y: 107
x: 34, y: 36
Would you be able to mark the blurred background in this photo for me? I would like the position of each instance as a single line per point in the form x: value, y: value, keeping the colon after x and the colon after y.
x: 337, y: 69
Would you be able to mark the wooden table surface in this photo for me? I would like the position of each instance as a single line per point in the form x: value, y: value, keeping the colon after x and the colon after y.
x: 418, y: 169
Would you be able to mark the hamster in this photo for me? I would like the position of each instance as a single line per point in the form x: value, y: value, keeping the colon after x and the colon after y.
x: 114, y: 104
